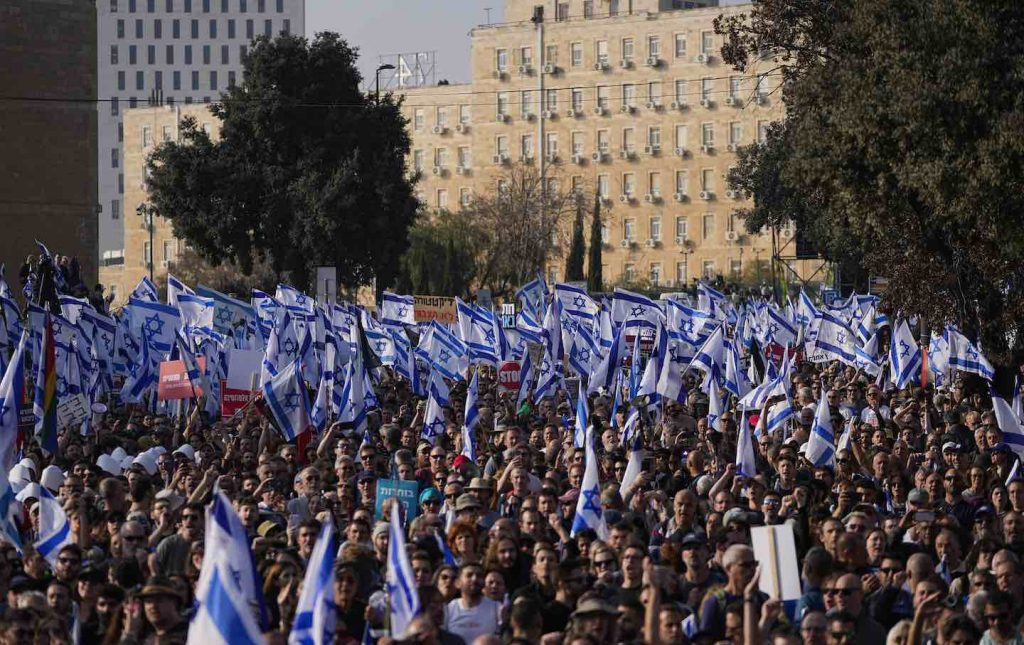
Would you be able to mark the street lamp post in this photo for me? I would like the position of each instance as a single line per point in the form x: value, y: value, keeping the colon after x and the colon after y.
x: 148, y: 213
x: 376, y: 92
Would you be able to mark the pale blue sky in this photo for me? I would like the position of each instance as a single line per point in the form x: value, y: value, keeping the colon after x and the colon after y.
x: 379, y: 27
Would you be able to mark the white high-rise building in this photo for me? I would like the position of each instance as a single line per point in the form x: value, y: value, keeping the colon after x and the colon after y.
x: 186, y: 51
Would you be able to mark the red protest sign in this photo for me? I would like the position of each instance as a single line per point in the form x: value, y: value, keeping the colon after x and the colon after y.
x: 508, y: 376
x: 232, y: 399
x: 174, y: 383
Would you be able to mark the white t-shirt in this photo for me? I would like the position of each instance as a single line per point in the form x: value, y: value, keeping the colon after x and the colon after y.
x: 470, y: 622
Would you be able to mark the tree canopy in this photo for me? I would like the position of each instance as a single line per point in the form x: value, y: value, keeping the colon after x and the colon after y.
x: 308, y: 171
x: 900, y: 149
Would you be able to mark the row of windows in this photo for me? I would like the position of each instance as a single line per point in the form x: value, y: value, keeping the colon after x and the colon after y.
x: 600, y: 146
x: 212, y: 30
x: 624, y: 53
x: 562, y: 12
x: 176, y: 80
x: 170, y: 55
x: 629, y: 96
x: 170, y: 6
x: 133, y: 102
x: 657, y: 277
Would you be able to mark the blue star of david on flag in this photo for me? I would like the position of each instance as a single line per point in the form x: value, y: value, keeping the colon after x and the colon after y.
x: 904, y: 349
x: 153, y: 325
x: 578, y: 302
x: 444, y: 356
x: 402, y: 311
x: 592, y: 500
x: 291, y: 401
x: 637, y: 311
x: 290, y: 347
x: 4, y: 409
x: 223, y: 316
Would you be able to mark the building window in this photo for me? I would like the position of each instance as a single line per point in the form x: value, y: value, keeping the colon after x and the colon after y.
x: 442, y: 199
x: 526, y: 103
x: 707, y: 180
x: 601, y: 52
x: 166, y: 133
x: 629, y: 95
x: 242, y: 51
x: 762, y: 131
x: 151, y: 6
x: 115, y: 154
x: 707, y: 43
x: 169, y: 6
x: 140, y: 80
x: 113, y: 54
x: 681, y: 227
x: 176, y: 80
x: 501, y: 146
x: 551, y: 100
x: 206, y: 54
x: 441, y: 157
x: 113, y: 6
x: 120, y: 183
x: 280, y: 6
x: 121, y: 80
x: 464, y: 197
x: 653, y: 46
x: 206, y: 6
x: 628, y: 229
x: 577, y: 99
x: 682, y: 179
x: 655, y: 274
x: 526, y: 55
x: 735, y: 133
x: 681, y: 278
x: 735, y: 87
x: 551, y: 54
x: 188, y: 54
x: 132, y: 102
x: 628, y: 140
x: 502, y: 105
x: 417, y: 160
x: 120, y: 28
x: 169, y: 254
x: 418, y: 119
x: 680, y: 46
x: 231, y: 78
x: 708, y: 225
x: 681, y: 137
x: 158, y: 29
x: 603, y: 186
x: 629, y: 184
x: 224, y: 55
x: 170, y: 54
x: 680, y: 92
x: 213, y: 79
x: 243, y: 6
x: 151, y: 54
x: 628, y: 273
x: 526, y: 146
x: 195, y: 80
x: 158, y: 80
x: 655, y: 229
x: 147, y: 253
x: 231, y: 28
x: 115, y: 209
x: 147, y: 136
x: 195, y: 29
x: 736, y: 267
x: 261, y: 6
x: 176, y: 29
x: 602, y: 141
x: 604, y: 97
x: 706, y: 87
x: 709, y: 269
x: 654, y: 183
x: 588, y: 8
x: 576, y: 54
x: 249, y: 29
x: 654, y: 93
x: 286, y: 26
x: 501, y: 60
x: 268, y: 29
x: 762, y: 86
x: 577, y: 143
x: 120, y: 132
x: 562, y: 11
x: 188, y: 6
x: 213, y: 28
x: 131, y: 6
x: 465, y: 160
x: 627, y: 50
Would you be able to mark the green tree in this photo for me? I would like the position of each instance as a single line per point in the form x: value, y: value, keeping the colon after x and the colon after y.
x: 308, y: 170
x: 577, y: 249
x: 595, y: 281
x: 901, y: 149
x: 441, y: 256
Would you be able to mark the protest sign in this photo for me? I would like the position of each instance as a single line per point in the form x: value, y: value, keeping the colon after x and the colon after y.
x: 407, y: 493
x: 72, y: 411
x: 174, y: 384
x: 775, y: 549
x: 439, y: 308
x: 508, y: 376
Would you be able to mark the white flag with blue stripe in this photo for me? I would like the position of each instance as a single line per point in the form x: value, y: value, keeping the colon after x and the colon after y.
x: 175, y: 288
x: 525, y: 377
x: 145, y: 290
x: 1009, y: 424
x: 634, y: 310
x: 745, y: 465
x: 54, y: 527
x: 821, y: 447
x: 434, y: 423
x: 222, y: 617
x: 834, y: 339
x: 397, y: 310
x: 316, y: 613
x: 403, y: 597
x: 964, y: 356
x: 288, y: 401
x: 904, y: 355
x: 589, y: 513
x: 582, y: 421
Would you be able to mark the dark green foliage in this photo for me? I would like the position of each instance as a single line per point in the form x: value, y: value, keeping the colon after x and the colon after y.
x: 595, y: 281
x: 577, y: 249
x: 308, y: 171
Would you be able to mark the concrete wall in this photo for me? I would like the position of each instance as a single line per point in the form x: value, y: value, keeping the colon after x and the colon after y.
x: 48, y: 144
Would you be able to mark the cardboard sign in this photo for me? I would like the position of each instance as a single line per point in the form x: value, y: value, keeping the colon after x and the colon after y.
x: 508, y: 376
x: 775, y: 548
x: 174, y: 384
x: 507, y: 317
x: 243, y: 364
x: 72, y: 411
x: 406, y: 492
x: 439, y: 308
x: 232, y: 400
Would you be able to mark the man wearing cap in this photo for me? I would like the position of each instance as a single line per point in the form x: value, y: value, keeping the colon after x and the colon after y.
x: 483, y: 489
x: 595, y: 618
x: 699, y: 576
x: 161, y: 605
x: 366, y: 484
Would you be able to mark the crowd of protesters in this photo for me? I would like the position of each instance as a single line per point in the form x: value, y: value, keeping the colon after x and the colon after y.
x: 914, y: 533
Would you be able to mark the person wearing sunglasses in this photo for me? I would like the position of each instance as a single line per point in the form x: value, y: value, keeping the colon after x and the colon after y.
x: 845, y: 592
x: 841, y: 629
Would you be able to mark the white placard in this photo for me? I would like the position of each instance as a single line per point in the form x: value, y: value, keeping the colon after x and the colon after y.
x: 72, y: 411
x: 775, y: 551
x: 242, y: 364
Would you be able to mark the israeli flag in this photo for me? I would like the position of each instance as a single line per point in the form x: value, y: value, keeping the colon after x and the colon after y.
x: 549, y: 377
x: 227, y: 544
x: 145, y: 291
x: 288, y: 401
x: 141, y: 377
x: 806, y: 312
x: 443, y: 351
x: 576, y: 303
x: 716, y: 407
x: 736, y: 380
x: 634, y: 465
x: 938, y: 356
x: 12, y: 392
x: 532, y: 295
x: 477, y: 332
x: 867, y: 356
x: 11, y: 318
x: 403, y: 597
x: 821, y: 445
x: 780, y: 330
x: 54, y: 527
x: 604, y: 374
x: 904, y: 355
x: 745, y: 465
x: 835, y: 339
x: 294, y: 299
x: 159, y: 323
x: 589, y: 514
x: 777, y: 416
x: 434, y: 423
x: 282, y: 347
x: 634, y: 310
x: 670, y: 380
x: 1009, y: 424
x: 472, y: 412
x: 397, y: 310
x: 688, y: 322
x: 553, y: 331
x: 228, y: 313
x: 711, y: 356
x: 196, y: 311
x: 175, y: 288
x: 648, y: 386
x: 222, y: 617
x: 582, y: 422
x: 316, y: 613
x: 964, y: 356
x: 525, y: 376
x: 321, y: 405
x: 708, y: 297
x: 584, y: 353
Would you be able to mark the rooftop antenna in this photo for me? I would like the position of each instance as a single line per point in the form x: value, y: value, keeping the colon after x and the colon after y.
x: 488, y: 11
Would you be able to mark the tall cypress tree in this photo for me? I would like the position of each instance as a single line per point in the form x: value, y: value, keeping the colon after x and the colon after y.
x: 577, y: 249
x: 594, y: 278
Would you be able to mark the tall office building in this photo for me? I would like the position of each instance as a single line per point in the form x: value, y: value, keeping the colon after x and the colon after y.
x: 48, y: 132
x: 173, y: 52
x: 629, y: 99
